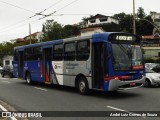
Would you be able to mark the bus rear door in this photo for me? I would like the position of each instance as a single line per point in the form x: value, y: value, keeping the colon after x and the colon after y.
x: 47, y: 53
x: 20, y: 64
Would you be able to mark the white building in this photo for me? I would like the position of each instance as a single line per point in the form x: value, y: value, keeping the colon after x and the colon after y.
x: 98, y: 19
x: 7, y: 61
x: 151, y: 46
x: 90, y: 31
x: 35, y: 36
x: 156, y: 19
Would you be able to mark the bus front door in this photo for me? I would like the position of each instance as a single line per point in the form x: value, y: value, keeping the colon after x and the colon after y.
x: 47, y: 59
x: 98, y: 65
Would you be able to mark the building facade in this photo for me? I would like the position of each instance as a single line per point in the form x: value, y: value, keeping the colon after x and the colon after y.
x: 151, y: 46
x: 156, y: 20
x: 98, y: 19
x: 90, y: 31
x: 7, y: 61
x: 35, y: 36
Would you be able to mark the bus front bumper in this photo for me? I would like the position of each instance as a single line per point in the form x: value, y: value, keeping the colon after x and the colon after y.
x: 114, y: 84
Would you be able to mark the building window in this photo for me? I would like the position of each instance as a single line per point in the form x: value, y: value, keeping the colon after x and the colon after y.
x: 103, y: 20
x: 92, y: 21
x: 156, y: 20
x: 7, y: 62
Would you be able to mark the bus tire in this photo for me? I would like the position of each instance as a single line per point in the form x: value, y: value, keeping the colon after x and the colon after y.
x: 28, y: 78
x: 82, y: 85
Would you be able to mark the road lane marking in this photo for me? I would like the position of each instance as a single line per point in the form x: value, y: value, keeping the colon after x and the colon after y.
x: 40, y: 88
x: 118, y: 109
x: 5, y: 110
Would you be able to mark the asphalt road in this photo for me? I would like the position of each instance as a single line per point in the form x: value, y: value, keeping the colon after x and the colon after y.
x: 21, y: 97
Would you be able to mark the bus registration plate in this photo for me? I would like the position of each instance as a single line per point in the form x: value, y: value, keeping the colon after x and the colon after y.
x: 132, y: 84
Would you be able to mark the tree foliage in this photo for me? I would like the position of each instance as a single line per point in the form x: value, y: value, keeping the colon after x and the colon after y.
x: 71, y: 30
x: 143, y: 23
x: 52, y: 30
x: 140, y: 13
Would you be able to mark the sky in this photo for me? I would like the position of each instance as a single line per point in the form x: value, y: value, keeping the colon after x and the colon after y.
x: 16, y: 15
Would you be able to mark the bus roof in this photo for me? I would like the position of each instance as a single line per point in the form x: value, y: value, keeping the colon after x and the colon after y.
x: 103, y: 36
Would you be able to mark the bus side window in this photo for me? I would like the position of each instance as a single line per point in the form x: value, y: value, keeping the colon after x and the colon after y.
x: 28, y: 54
x: 58, y: 52
x: 15, y: 55
x: 83, y: 50
x: 37, y: 53
x: 69, y: 51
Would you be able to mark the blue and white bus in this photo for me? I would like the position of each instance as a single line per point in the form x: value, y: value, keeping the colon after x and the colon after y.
x: 106, y: 61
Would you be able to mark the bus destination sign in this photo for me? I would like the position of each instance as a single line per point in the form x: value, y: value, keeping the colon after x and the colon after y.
x: 129, y: 38
x: 122, y: 37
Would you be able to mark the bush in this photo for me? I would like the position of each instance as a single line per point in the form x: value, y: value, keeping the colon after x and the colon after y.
x: 152, y: 60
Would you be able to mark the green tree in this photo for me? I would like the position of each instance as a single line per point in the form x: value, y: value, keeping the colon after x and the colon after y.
x: 125, y: 22
x: 71, y: 30
x: 52, y: 30
x: 140, y: 13
x: 143, y: 24
x: 119, y: 16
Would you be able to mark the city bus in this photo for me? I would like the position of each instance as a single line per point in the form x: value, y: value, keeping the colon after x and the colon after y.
x: 108, y: 61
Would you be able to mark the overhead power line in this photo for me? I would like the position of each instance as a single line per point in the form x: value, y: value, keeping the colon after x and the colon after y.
x: 10, y: 27
x: 16, y: 6
x: 58, y: 10
x: 52, y: 5
x: 67, y: 5
x: 41, y: 13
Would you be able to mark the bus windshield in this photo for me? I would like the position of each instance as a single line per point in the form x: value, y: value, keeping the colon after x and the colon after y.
x: 126, y: 56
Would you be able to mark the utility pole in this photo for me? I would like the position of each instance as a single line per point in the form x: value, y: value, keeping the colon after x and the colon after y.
x: 30, y: 33
x: 134, y: 18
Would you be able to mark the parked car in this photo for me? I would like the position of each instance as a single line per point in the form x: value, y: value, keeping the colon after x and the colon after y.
x: 150, y: 65
x: 7, y: 70
x: 1, y: 69
x: 156, y: 68
x: 152, y: 78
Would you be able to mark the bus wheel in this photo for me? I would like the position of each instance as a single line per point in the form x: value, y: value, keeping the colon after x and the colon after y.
x: 83, y: 86
x: 28, y: 79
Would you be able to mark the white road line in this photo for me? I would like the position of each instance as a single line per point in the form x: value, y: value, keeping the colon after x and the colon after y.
x: 4, y: 109
x: 40, y: 88
x: 116, y: 108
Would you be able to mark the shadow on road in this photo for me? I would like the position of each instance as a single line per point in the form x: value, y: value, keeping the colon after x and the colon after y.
x: 123, y: 94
